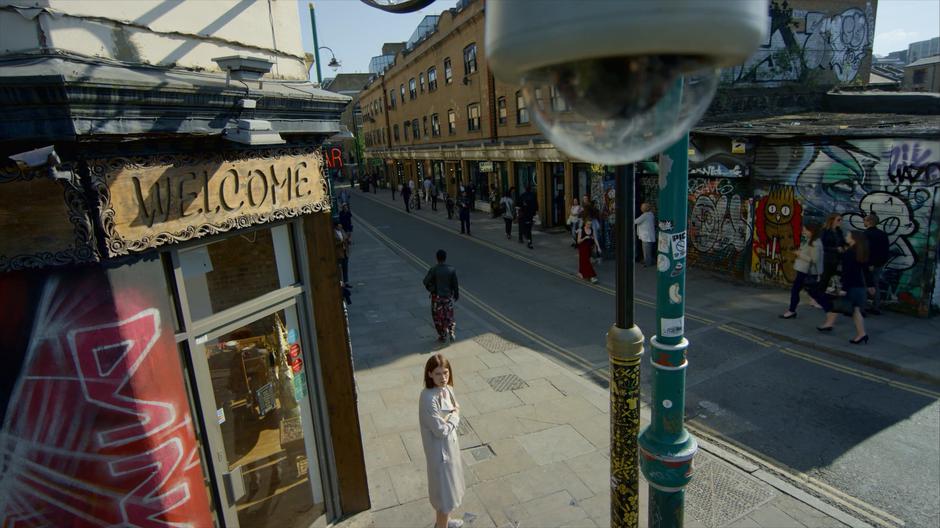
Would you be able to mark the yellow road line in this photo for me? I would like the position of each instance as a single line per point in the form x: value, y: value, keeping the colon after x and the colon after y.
x: 482, y: 305
x: 723, y: 327
x: 509, y: 253
x: 858, y: 506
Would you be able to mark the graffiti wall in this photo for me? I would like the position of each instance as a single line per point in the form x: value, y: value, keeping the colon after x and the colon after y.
x: 96, y: 428
x: 896, y: 178
x: 811, y: 42
x: 719, y: 224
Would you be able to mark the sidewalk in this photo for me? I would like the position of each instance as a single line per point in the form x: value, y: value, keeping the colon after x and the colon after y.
x: 534, y: 436
x: 900, y: 343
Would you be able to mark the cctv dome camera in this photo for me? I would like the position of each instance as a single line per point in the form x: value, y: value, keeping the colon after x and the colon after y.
x: 615, y: 81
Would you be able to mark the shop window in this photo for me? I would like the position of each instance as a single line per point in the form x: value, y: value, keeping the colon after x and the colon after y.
x: 501, y: 110
x: 473, y: 117
x: 448, y: 71
x: 224, y: 274
x: 435, y: 125
x: 470, y: 59
x: 522, y: 113
x: 451, y: 122
x: 412, y: 91
x: 432, y: 79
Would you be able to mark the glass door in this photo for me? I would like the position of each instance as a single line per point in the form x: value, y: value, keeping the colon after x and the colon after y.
x: 252, y: 370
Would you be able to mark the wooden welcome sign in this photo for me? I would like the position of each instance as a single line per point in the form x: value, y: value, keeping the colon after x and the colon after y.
x: 150, y: 202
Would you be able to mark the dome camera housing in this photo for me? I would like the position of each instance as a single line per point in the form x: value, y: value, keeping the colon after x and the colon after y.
x: 615, y: 81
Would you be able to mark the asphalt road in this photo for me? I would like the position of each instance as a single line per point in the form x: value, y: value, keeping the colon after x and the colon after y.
x: 858, y: 439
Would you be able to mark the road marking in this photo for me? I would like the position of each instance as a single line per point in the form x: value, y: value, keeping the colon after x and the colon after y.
x: 545, y: 267
x: 868, y: 511
x: 482, y: 305
x: 856, y: 505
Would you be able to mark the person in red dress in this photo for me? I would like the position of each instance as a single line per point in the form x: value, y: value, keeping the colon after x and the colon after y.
x: 587, y: 242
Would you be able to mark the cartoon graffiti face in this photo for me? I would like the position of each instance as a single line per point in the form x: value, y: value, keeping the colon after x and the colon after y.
x: 897, y: 221
x: 779, y: 207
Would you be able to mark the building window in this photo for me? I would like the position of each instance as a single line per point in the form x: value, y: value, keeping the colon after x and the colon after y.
x: 501, y: 110
x: 473, y: 117
x: 435, y: 125
x: 421, y: 81
x: 412, y: 89
x: 448, y: 71
x: 406, y: 126
x: 391, y: 99
x: 432, y: 79
x: 451, y: 122
x: 401, y: 88
x: 920, y: 76
x: 470, y: 59
x: 522, y: 113
x: 396, y: 134
x: 539, y: 102
x: 415, y: 131
x: 558, y: 102
x: 424, y: 123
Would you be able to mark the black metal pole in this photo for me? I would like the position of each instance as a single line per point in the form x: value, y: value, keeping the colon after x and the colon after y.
x: 625, y: 246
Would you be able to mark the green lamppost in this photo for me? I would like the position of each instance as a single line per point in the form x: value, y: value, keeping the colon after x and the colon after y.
x: 666, y: 447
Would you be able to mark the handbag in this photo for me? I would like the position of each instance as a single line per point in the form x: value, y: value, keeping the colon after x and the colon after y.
x: 842, y: 305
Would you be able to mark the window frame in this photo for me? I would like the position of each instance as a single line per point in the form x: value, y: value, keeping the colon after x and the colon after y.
x: 470, y: 66
x: 521, y: 110
x: 421, y: 82
x: 396, y: 134
x: 432, y: 79
x: 391, y: 98
x: 435, y: 125
x: 473, y: 123
x: 451, y: 123
x: 502, y: 111
x: 448, y: 71
x: 405, y: 126
x: 415, y: 130
x: 402, y: 89
x: 412, y: 89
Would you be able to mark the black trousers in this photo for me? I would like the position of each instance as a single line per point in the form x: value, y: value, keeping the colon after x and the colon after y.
x: 465, y: 222
x: 525, y: 231
x: 508, y: 222
x: 406, y: 199
x: 434, y: 203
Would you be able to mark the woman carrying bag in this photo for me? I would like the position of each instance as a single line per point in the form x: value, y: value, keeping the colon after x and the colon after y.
x: 833, y: 242
x: 854, y: 262
x: 808, y: 264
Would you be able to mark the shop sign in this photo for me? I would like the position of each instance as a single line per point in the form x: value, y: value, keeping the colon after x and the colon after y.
x: 486, y: 166
x: 149, y: 202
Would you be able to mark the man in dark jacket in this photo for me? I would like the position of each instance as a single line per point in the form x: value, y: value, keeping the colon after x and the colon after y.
x: 406, y: 197
x: 441, y: 283
x: 877, y: 259
x: 528, y: 207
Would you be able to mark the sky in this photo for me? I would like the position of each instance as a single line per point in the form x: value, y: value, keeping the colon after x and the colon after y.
x: 355, y: 32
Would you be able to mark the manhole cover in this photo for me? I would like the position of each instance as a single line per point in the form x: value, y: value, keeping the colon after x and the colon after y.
x: 507, y: 382
x: 481, y: 453
x: 494, y: 343
x: 719, y: 495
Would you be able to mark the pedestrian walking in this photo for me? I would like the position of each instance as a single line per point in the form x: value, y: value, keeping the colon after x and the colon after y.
x: 854, y: 261
x: 574, y: 216
x: 394, y: 187
x: 406, y: 197
x: 508, y: 209
x: 587, y: 245
x: 494, y: 202
x: 441, y: 283
x: 646, y: 232
x: 472, y: 191
x: 427, y: 189
x: 439, y: 417
x: 528, y: 208
x: 449, y: 204
x: 463, y: 206
x: 833, y: 245
x: 808, y: 265
x: 434, y: 197
x: 342, y: 251
x: 345, y: 220
x: 879, y: 249
x: 375, y: 184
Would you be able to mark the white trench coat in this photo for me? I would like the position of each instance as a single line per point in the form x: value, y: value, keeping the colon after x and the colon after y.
x: 441, y: 448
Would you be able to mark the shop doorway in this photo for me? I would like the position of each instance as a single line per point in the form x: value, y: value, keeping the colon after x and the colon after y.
x: 252, y: 377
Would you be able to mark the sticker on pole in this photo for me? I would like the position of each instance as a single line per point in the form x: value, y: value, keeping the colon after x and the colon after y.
x: 672, y: 327
x: 662, y: 263
x: 678, y: 246
x: 663, y: 246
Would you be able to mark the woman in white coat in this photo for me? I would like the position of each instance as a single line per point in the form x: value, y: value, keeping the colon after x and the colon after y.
x: 439, y: 416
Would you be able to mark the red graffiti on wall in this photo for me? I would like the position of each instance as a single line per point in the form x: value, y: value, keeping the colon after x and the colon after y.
x: 97, y: 430
x: 777, y: 225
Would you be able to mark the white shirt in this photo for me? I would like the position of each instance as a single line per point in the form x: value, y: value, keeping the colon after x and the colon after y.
x: 646, y: 227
